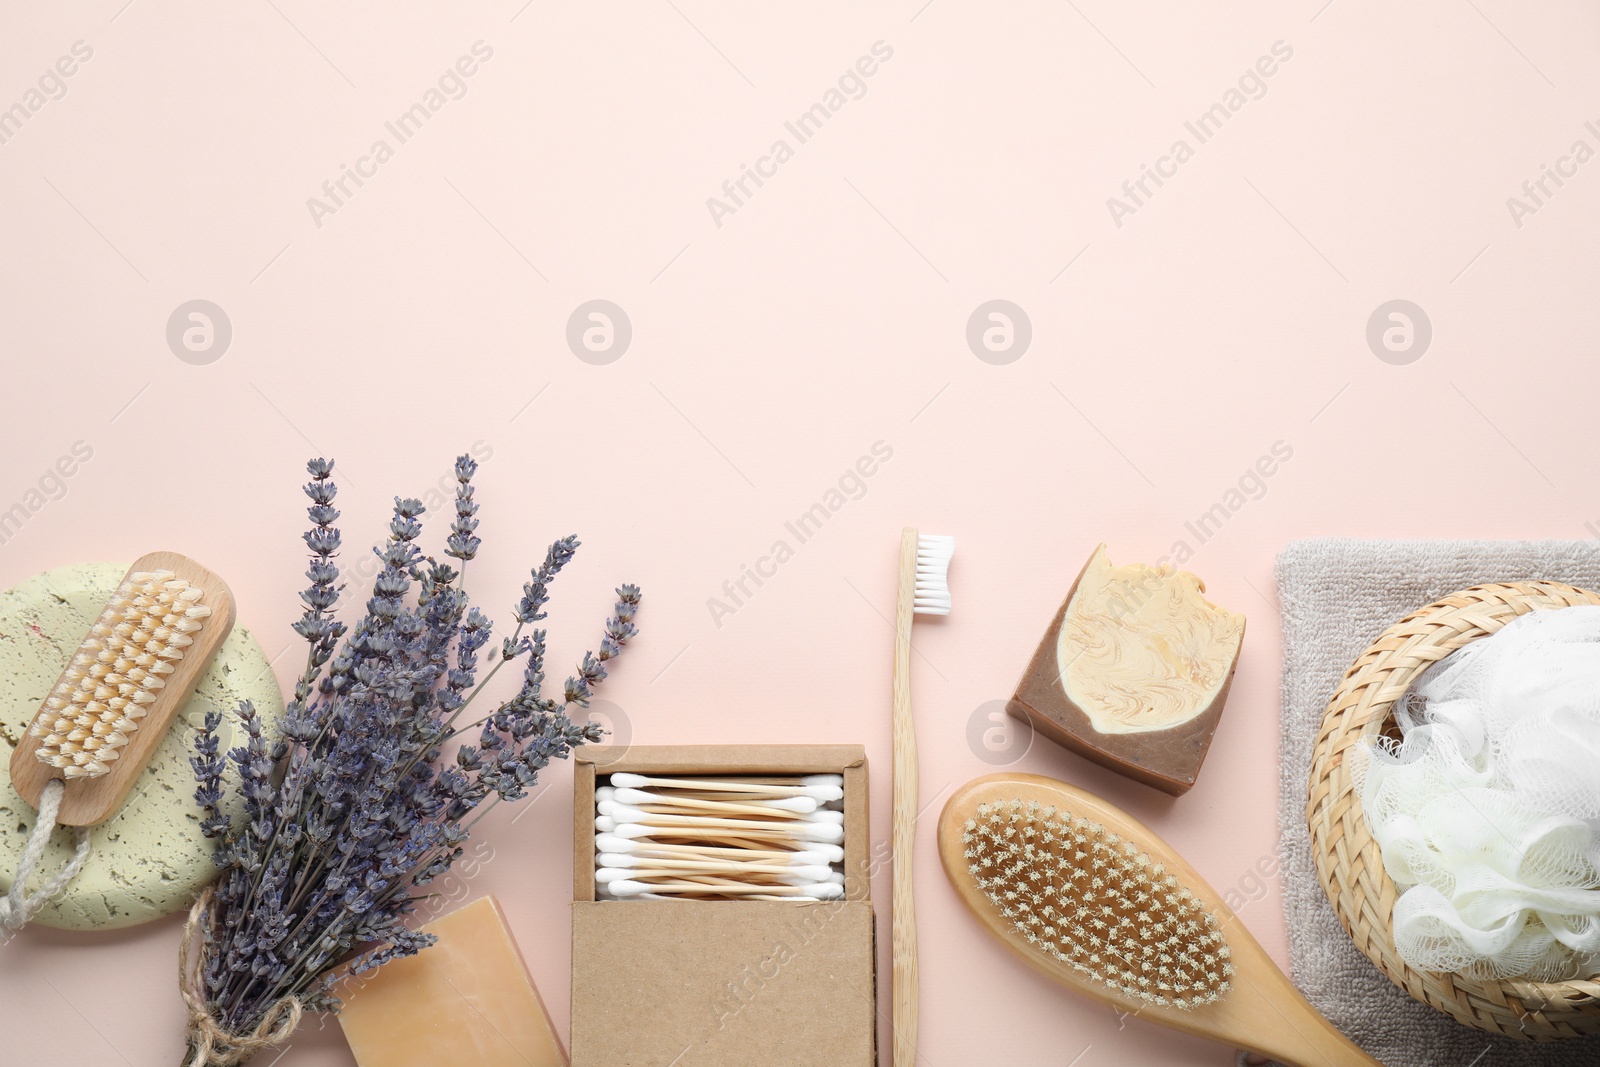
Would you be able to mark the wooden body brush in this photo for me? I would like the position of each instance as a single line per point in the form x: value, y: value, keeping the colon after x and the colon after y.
x: 136, y: 667
x: 101, y: 722
x: 1092, y: 898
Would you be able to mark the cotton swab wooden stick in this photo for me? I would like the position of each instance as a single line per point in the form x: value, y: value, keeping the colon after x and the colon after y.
x: 824, y: 891
x: 779, y: 807
x: 736, y: 798
x: 761, y: 843
x: 604, y: 893
x: 802, y: 835
x: 628, y: 813
x: 814, y: 852
x: 818, y: 786
x: 731, y: 847
x: 710, y: 866
x: 803, y: 781
x: 726, y: 876
x: 791, y: 819
x: 820, y: 825
x: 662, y: 838
x: 820, y: 872
x: 773, y: 815
x: 776, y: 862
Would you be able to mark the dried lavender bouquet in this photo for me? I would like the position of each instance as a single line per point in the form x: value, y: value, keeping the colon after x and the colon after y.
x: 355, y: 806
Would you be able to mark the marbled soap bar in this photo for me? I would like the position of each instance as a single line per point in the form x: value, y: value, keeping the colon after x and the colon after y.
x: 1134, y: 671
x: 467, y: 1001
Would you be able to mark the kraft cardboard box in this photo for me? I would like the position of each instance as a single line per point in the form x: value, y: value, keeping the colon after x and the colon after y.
x: 724, y: 983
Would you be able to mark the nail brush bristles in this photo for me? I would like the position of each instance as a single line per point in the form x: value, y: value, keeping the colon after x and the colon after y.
x: 118, y: 671
x: 1096, y: 903
x: 664, y: 838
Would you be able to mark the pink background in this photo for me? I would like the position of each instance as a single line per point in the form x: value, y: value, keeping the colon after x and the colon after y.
x: 827, y: 313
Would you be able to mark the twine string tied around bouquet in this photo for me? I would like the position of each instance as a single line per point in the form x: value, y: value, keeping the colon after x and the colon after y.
x: 210, y: 1043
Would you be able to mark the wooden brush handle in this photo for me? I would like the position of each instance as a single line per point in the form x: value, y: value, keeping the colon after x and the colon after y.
x: 1278, y: 1022
x: 905, y: 814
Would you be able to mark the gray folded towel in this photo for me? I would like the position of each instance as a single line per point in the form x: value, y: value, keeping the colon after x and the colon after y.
x: 1336, y: 595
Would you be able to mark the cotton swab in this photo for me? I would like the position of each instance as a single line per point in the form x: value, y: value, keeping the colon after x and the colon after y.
x: 816, y: 852
x: 753, y: 896
x: 630, y: 860
x: 789, y: 875
x: 608, y: 843
x: 647, y: 827
x: 824, y: 891
x: 663, y: 838
x: 778, y: 807
x: 815, y: 872
x: 628, y: 813
x: 819, y: 787
x: 665, y: 868
x: 816, y: 826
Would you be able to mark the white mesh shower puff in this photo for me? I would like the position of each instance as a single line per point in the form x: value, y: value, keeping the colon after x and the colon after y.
x: 1487, y: 811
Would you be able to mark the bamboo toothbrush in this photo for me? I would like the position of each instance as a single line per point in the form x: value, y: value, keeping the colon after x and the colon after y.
x: 924, y: 590
x: 1093, y: 899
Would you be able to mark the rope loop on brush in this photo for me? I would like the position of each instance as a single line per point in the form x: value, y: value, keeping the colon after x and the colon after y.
x: 18, y: 906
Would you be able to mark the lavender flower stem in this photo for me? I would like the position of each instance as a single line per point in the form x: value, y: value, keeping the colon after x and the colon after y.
x: 356, y: 804
x: 473, y: 693
x: 308, y: 678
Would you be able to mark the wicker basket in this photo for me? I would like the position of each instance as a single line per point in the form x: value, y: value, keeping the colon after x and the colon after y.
x: 1348, y: 860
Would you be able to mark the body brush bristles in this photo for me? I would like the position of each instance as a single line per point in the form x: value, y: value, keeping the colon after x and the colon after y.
x: 1084, y: 896
x: 117, y: 672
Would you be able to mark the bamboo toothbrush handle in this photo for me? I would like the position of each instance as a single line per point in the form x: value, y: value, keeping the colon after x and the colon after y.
x: 904, y: 816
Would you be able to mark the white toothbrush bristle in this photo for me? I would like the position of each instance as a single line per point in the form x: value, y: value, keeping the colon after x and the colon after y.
x: 118, y: 672
x: 931, y: 593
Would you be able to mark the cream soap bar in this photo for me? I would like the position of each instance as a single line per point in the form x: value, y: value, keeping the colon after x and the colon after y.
x: 467, y: 1001
x: 1134, y: 672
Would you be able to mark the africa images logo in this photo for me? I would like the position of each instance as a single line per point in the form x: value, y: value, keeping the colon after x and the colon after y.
x: 451, y: 85
x: 851, y: 85
x: 1251, y: 85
